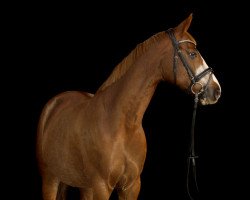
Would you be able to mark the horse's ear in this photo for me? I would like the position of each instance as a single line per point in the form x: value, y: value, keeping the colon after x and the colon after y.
x: 184, y: 25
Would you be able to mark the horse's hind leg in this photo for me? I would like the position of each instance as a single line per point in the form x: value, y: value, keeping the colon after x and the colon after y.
x: 49, y: 187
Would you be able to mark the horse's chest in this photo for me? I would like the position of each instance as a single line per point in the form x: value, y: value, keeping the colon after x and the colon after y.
x: 129, y: 171
x: 127, y: 161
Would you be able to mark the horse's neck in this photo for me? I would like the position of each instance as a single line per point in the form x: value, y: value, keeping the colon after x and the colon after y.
x: 130, y: 95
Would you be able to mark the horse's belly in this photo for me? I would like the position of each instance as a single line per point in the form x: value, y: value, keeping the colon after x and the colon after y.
x: 75, y: 173
x: 66, y: 162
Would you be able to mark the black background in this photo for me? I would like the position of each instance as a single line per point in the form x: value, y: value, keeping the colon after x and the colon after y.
x: 52, y: 48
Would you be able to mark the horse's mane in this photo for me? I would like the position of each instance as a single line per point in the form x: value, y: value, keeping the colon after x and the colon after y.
x: 128, y: 61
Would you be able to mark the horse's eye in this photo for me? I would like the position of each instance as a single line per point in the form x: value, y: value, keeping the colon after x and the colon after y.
x: 192, y: 55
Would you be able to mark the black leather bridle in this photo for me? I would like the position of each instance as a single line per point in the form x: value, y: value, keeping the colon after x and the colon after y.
x: 193, y: 78
x: 194, y: 81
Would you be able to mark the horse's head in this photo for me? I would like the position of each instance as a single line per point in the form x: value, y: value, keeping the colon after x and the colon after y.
x: 186, y: 68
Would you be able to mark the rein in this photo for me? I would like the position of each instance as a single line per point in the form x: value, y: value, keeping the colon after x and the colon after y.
x: 191, y: 162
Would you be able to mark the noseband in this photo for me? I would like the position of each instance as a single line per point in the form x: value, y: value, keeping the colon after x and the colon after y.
x: 194, y: 78
x: 194, y: 81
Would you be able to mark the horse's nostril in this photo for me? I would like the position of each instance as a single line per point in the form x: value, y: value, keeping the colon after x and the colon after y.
x: 217, y: 93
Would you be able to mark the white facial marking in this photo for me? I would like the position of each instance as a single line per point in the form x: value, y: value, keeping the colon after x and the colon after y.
x: 204, y: 79
x: 200, y: 69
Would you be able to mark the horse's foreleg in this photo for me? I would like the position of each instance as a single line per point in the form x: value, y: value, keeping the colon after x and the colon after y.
x: 49, y: 187
x: 130, y: 193
x: 62, y: 191
x: 86, y: 194
x: 100, y: 191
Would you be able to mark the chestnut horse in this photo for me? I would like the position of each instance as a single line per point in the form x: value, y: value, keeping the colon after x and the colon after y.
x: 96, y: 142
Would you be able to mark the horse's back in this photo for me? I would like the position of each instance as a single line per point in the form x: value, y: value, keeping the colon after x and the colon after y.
x: 60, y: 102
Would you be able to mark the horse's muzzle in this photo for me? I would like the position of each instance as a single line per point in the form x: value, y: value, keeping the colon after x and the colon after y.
x: 210, y: 96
